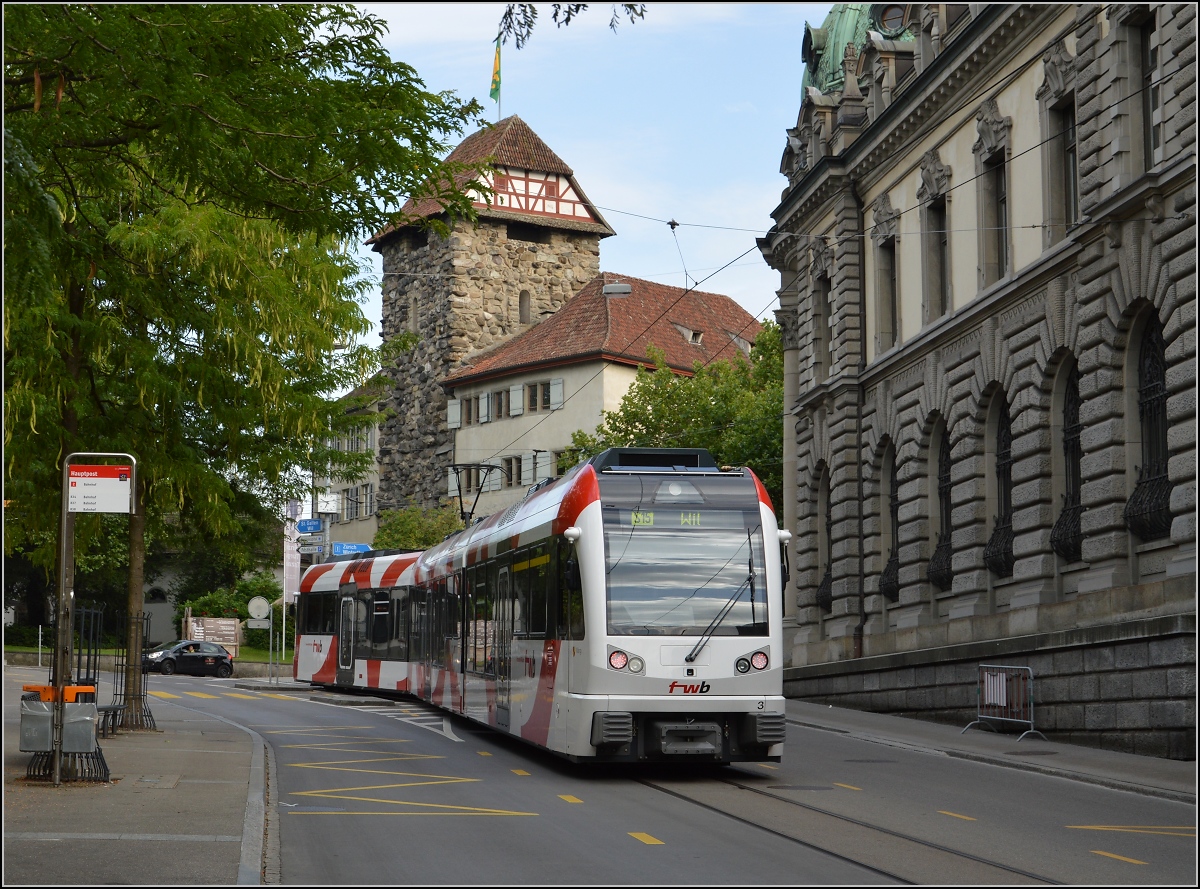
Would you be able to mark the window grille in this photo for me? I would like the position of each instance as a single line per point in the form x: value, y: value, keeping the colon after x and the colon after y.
x: 825, y: 587
x: 940, y: 565
x: 1066, y: 537
x: 1148, y: 512
x: 889, y: 581
x: 998, y: 554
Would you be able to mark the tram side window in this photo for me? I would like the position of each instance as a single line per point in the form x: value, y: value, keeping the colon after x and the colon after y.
x: 398, y: 647
x: 520, y: 581
x: 497, y: 601
x: 473, y: 591
x: 417, y: 625
x: 531, y: 576
x: 381, y: 619
x: 363, y: 603
x: 570, y: 594
x: 329, y: 612
x: 439, y: 623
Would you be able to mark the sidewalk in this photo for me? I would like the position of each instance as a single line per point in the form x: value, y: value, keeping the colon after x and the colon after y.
x: 190, y: 803
x: 1149, y: 775
x: 184, y: 805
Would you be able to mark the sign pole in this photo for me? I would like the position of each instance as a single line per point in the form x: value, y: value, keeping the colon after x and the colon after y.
x: 85, y: 488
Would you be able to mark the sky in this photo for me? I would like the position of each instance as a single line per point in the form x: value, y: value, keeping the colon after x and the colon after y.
x: 680, y: 116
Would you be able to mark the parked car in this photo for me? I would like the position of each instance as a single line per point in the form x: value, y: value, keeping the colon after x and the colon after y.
x: 189, y: 656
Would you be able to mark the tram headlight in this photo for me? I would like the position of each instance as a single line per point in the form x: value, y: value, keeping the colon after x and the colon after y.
x: 636, y: 665
x: 759, y: 660
x: 618, y: 659
x: 743, y: 665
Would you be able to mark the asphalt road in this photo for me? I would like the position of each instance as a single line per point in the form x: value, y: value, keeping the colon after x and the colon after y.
x: 370, y: 791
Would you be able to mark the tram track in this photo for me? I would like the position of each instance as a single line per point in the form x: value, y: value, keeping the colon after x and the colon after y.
x: 884, y: 851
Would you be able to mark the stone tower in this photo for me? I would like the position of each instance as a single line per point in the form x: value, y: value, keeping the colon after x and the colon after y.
x: 530, y: 250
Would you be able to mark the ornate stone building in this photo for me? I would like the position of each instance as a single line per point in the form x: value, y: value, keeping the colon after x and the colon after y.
x: 987, y: 254
x: 533, y: 247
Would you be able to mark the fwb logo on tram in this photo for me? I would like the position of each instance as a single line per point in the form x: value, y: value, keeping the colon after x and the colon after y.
x: 688, y: 688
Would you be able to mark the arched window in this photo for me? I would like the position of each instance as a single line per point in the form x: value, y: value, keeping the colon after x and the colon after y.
x: 998, y: 554
x: 940, y: 565
x: 1148, y: 512
x: 889, y: 580
x: 1066, y: 537
x: 825, y: 542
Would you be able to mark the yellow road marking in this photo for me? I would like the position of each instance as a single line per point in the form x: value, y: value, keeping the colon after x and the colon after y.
x: 1187, y: 832
x: 956, y: 815
x: 484, y: 753
x: 847, y: 786
x: 234, y: 694
x: 344, y: 765
x: 441, y: 809
x: 647, y: 839
x: 764, y: 765
x: 1118, y: 857
x: 162, y: 694
x: 520, y: 772
x: 280, y: 697
x: 569, y: 798
x: 200, y: 694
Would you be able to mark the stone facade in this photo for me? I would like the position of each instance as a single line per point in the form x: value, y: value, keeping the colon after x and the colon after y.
x: 460, y: 295
x: 1001, y: 252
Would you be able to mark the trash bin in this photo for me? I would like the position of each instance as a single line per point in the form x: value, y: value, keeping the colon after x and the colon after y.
x: 79, y: 728
x: 37, y: 724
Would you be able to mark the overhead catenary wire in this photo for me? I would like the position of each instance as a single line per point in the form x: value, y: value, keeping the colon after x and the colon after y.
x: 674, y: 225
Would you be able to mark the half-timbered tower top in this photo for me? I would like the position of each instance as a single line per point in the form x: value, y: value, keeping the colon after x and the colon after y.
x: 530, y: 183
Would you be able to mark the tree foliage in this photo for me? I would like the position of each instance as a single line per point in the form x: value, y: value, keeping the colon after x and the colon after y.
x: 734, y: 409
x: 520, y: 19
x: 415, y: 527
x: 181, y: 185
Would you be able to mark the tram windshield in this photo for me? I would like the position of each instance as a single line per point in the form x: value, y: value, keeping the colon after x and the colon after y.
x: 683, y: 556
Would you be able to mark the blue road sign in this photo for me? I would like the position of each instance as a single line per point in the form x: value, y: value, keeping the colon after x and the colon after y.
x: 309, y: 526
x: 341, y: 549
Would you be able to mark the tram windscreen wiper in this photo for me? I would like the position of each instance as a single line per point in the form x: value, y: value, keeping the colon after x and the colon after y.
x: 721, y: 615
x: 728, y: 606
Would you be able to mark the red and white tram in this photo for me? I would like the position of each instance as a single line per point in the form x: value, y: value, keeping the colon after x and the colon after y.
x: 628, y: 611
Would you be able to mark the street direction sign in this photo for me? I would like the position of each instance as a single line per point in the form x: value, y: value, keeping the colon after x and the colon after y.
x: 309, y: 526
x: 311, y: 538
x: 312, y: 549
x: 341, y: 549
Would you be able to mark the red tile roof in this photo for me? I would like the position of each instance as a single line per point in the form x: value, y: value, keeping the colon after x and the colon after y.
x: 620, y: 329
x: 508, y: 143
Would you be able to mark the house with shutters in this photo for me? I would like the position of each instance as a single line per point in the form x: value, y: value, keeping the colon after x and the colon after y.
x: 512, y: 409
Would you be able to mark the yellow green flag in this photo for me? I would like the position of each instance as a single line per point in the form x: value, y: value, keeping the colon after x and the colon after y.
x: 495, y: 93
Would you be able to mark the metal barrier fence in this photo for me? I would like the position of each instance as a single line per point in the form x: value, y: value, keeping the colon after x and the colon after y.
x: 1005, y: 694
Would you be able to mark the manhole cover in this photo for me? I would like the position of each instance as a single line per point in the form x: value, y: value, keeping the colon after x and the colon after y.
x: 1031, y: 753
x: 799, y: 787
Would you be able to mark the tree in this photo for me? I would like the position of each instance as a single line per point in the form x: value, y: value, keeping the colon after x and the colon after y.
x: 735, y: 410
x: 519, y: 19
x: 181, y: 182
x: 415, y: 527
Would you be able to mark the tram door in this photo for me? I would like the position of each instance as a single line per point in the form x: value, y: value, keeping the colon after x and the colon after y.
x: 347, y: 620
x: 420, y: 632
x: 504, y: 632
